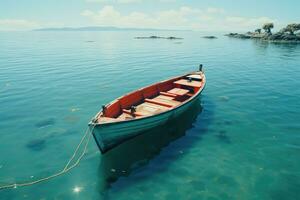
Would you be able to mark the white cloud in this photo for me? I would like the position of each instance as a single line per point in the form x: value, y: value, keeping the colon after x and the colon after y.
x: 212, y: 10
x: 211, y: 19
x: 96, y: 1
x: 17, y: 24
x: 114, y: 1
x: 129, y: 1
x: 167, y: 1
x: 109, y: 16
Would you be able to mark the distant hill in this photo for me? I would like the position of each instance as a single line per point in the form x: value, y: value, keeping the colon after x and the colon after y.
x: 102, y: 28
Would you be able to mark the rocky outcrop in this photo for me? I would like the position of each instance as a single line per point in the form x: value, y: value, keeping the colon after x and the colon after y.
x: 239, y: 35
x: 287, y: 34
x: 210, y: 37
x: 158, y: 37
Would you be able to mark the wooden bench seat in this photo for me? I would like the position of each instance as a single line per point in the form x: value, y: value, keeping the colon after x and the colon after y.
x: 135, y: 113
x: 166, y: 100
x: 146, y: 109
x: 159, y: 102
x: 168, y: 94
x: 125, y: 116
x: 164, y: 97
x: 178, y: 91
x: 185, y: 82
x: 107, y: 119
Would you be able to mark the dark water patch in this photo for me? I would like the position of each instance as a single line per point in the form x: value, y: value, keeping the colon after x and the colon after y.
x: 224, y: 122
x: 143, y: 188
x: 224, y: 196
x: 139, y: 164
x: 228, y: 122
x: 36, y: 145
x: 90, y: 41
x: 46, y: 122
x: 212, y: 198
x: 180, y: 172
x: 286, y: 187
x: 140, y: 150
x: 222, y: 136
x: 173, y: 195
x: 201, y: 129
x: 148, y: 145
x: 227, y: 181
x: 198, y: 185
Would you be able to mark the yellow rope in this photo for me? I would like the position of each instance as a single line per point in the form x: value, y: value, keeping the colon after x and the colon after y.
x: 66, y: 168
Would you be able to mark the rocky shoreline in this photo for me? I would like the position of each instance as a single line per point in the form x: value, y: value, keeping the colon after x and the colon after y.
x: 289, y: 34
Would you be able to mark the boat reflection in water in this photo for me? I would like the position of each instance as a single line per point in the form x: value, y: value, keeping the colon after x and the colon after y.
x: 137, y: 152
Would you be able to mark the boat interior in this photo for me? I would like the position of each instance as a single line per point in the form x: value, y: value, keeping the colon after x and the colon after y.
x: 153, y: 99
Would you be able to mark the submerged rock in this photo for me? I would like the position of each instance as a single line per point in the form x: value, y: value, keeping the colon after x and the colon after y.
x: 223, y: 137
x: 44, y: 123
x: 36, y: 145
x: 228, y: 122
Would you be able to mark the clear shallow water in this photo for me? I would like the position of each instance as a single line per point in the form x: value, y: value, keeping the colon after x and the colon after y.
x: 241, y: 141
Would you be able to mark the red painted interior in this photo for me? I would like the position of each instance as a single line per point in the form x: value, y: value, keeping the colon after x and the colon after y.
x: 130, y: 99
x: 113, y: 110
x: 150, y: 91
x: 146, y: 94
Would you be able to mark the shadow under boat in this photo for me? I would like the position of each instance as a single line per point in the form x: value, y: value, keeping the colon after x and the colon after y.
x: 137, y: 152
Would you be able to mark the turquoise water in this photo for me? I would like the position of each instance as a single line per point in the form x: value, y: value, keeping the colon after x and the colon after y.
x: 240, y: 141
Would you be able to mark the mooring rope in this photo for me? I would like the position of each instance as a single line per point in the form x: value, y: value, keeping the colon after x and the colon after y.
x: 66, y: 168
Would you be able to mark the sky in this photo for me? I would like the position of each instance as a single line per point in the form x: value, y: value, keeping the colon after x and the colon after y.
x: 202, y: 15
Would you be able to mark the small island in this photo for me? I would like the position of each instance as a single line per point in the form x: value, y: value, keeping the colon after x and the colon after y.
x: 210, y: 37
x: 290, y: 33
x: 159, y: 37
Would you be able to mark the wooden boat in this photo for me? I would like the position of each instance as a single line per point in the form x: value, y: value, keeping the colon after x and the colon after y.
x: 146, y: 108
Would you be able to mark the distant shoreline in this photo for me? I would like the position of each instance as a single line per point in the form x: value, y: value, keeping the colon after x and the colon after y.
x: 103, y: 28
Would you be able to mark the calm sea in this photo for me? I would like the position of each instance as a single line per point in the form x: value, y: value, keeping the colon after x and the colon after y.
x: 240, y: 141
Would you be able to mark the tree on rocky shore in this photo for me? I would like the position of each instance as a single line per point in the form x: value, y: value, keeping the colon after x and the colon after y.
x: 258, y: 30
x: 291, y: 33
x: 267, y: 27
x: 291, y: 28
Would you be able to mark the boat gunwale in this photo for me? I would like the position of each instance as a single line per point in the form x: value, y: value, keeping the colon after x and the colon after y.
x: 91, y: 123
